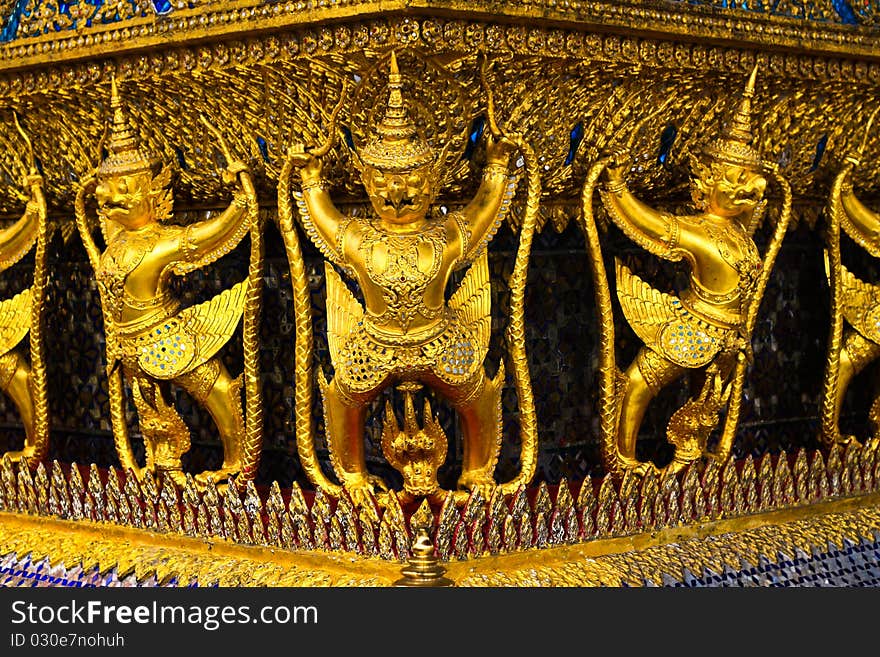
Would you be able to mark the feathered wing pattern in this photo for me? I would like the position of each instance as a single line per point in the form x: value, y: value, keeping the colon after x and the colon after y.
x: 163, y: 201
x: 647, y: 310
x: 472, y: 303
x: 860, y: 304
x: 202, y: 330
x: 213, y: 322
x: 343, y: 312
x: 15, y: 320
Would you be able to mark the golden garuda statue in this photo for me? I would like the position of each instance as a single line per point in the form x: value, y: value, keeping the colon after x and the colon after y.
x: 22, y: 370
x: 150, y: 340
x: 406, y: 333
x: 850, y: 350
x: 704, y: 329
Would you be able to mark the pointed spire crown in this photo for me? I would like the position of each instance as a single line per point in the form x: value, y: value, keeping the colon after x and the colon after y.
x: 397, y: 144
x: 733, y: 145
x: 124, y: 153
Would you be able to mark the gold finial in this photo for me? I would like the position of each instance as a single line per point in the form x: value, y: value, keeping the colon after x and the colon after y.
x: 733, y: 146
x: 424, y: 567
x: 397, y: 145
x: 125, y: 155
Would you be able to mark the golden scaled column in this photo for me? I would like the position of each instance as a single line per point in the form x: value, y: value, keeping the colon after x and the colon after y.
x: 853, y: 344
x: 151, y: 343
x: 22, y: 368
x: 705, y: 329
x: 406, y: 334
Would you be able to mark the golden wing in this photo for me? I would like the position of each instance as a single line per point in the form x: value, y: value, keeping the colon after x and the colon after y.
x: 343, y: 312
x: 664, y: 325
x: 860, y: 304
x: 193, y: 337
x: 647, y: 310
x: 15, y: 320
x: 472, y: 303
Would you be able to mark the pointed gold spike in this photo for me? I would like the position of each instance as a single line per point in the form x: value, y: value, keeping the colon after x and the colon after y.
x: 41, y: 489
x: 477, y: 536
x: 765, y: 483
x: 275, y: 502
x: 133, y: 496
x: 526, y: 533
x: 556, y: 523
x: 337, y: 540
x: 368, y: 529
x: 386, y: 540
x: 446, y: 527
x: 750, y: 490
x: 520, y: 504
x: 543, y: 505
x: 866, y: 465
x: 509, y: 534
x: 189, y: 521
x: 564, y: 501
x: 586, y: 498
x: 96, y: 489
x: 297, y: 503
x: 712, y: 488
x: 287, y: 536
x: 27, y: 499
x: 162, y: 523
x: 542, y: 531
x: 423, y: 517
x: 834, y: 466
x: 59, y: 491
x: 783, y: 485
x: 607, y: 501
x: 802, y: 477
x: 852, y: 484
x: 191, y: 491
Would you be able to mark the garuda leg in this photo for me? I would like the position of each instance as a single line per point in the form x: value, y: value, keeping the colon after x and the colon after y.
x: 646, y: 376
x: 857, y: 353
x: 344, y: 418
x: 478, y: 404
x: 15, y: 381
x: 212, y: 386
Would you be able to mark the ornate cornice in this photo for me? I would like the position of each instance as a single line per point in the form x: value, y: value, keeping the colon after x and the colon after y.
x: 821, y: 32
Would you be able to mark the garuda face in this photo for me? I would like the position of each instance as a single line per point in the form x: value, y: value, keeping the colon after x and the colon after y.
x: 125, y: 199
x: 400, y: 197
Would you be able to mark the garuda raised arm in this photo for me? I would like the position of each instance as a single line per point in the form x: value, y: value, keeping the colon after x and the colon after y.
x: 406, y: 333
x: 149, y: 338
x: 706, y: 328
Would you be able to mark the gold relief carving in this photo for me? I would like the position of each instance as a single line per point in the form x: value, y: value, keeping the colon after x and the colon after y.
x: 705, y: 329
x: 405, y: 333
x: 150, y: 342
x: 854, y: 338
x: 22, y: 366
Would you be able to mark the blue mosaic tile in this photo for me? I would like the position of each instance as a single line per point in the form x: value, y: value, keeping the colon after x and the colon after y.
x: 852, y: 564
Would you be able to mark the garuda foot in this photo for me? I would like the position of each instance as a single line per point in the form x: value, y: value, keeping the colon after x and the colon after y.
x: 362, y: 489
x: 218, y: 476
x: 20, y: 455
x: 638, y: 468
x: 478, y: 481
